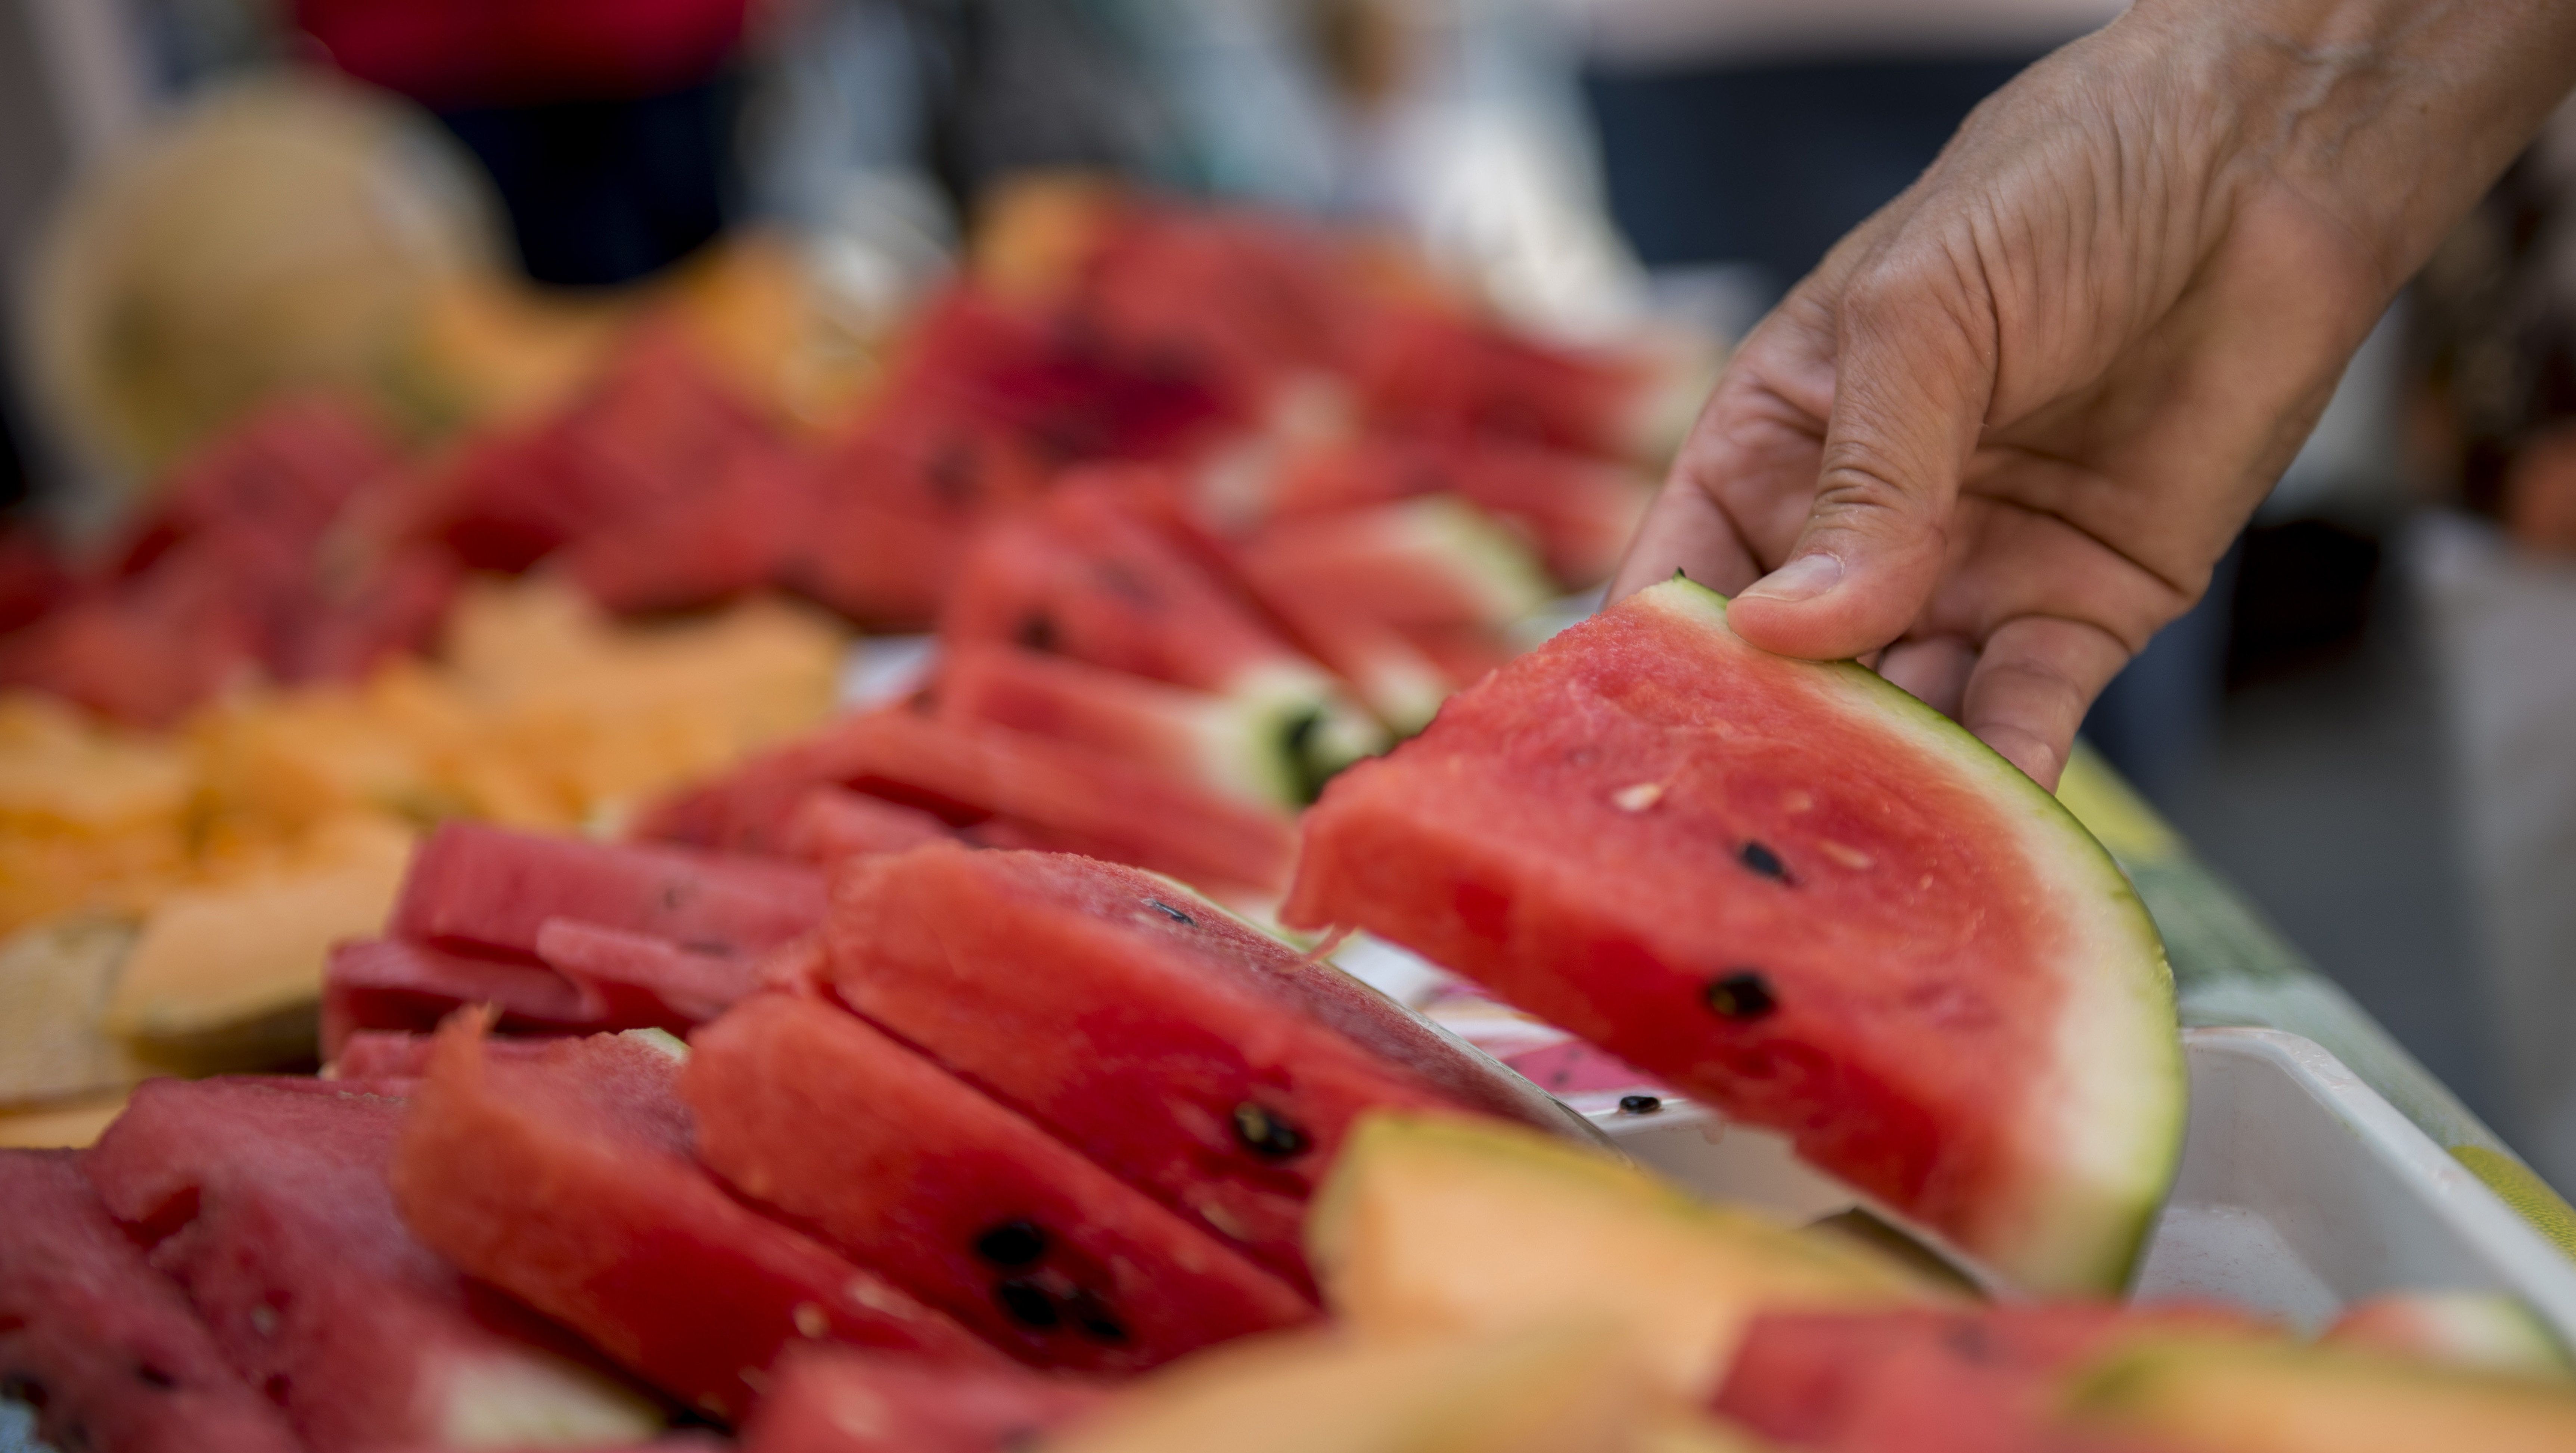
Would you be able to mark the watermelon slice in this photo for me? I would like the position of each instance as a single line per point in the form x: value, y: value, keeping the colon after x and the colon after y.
x: 1254, y: 1057
x: 102, y: 1346
x: 635, y: 980
x: 402, y: 987
x: 1442, y: 372
x: 733, y: 534
x: 964, y: 1203
x: 1581, y: 512
x: 832, y: 1400
x: 564, y: 1179
x: 1208, y: 739
x: 1401, y: 683
x: 492, y: 889
x: 2493, y: 1330
x: 1435, y: 560
x: 266, y: 1200
x: 993, y: 779
x: 832, y: 823
x: 1794, y: 890
x: 1945, y: 1380
x: 1091, y: 577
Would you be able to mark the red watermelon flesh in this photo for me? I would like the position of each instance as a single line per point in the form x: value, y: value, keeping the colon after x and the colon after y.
x: 1203, y: 1062
x: 636, y: 980
x: 105, y: 1348
x: 284, y: 473
x: 964, y: 1203
x: 1402, y: 683
x: 494, y: 888
x: 1921, y: 1380
x: 734, y: 534
x: 1204, y: 738
x: 386, y: 1056
x: 831, y: 1400
x: 832, y: 823
x: 266, y: 1201
x: 1435, y: 560
x: 1789, y: 889
x: 564, y: 1179
x: 399, y: 986
x: 1438, y: 371
x: 979, y: 774
x: 1463, y: 655
x: 1579, y: 511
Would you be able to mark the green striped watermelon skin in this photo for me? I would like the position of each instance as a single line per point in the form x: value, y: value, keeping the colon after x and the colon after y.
x: 1790, y: 889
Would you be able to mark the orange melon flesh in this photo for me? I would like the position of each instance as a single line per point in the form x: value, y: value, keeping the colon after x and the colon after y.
x: 2216, y: 1397
x: 1792, y: 890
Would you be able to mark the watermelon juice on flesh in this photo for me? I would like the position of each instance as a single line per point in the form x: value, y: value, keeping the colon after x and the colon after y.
x: 564, y: 1178
x: 1794, y: 890
x: 104, y: 1348
x: 835, y: 1400
x: 992, y: 778
x: 804, y: 1107
x: 266, y: 1201
x: 1203, y: 1062
x: 1089, y: 576
x: 1212, y: 740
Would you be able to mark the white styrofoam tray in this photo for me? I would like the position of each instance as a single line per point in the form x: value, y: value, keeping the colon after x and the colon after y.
x: 2301, y: 1189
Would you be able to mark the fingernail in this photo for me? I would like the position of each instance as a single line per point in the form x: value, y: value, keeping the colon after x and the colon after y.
x: 1804, y: 578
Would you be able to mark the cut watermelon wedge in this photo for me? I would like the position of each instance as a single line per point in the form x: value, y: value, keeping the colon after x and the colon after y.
x: 1090, y: 577
x: 637, y: 980
x: 1048, y: 791
x: 833, y: 1400
x: 1579, y: 511
x: 1400, y: 682
x: 563, y: 1179
x: 493, y: 889
x: 1436, y: 560
x: 102, y: 1346
x: 832, y: 823
x: 1201, y: 1061
x: 964, y: 1203
x: 1794, y: 890
x: 266, y: 1201
x: 401, y: 987
x: 1208, y: 739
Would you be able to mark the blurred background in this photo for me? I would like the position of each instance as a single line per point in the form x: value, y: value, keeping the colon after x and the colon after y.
x: 456, y: 207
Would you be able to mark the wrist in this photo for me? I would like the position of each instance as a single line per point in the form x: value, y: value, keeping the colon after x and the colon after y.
x: 2391, y: 116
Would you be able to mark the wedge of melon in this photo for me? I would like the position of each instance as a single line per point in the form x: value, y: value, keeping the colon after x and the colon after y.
x: 964, y: 1203
x: 102, y: 1346
x: 2492, y: 1330
x: 1434, y: 1225
x: 1436, y: 560
x: 2219, y: 1397
x: 840, y: 1400
x: 1562, y: 1389
x: 1792, y: 889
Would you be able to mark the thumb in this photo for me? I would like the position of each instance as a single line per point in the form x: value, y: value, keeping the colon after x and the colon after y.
x: 1913, y: 377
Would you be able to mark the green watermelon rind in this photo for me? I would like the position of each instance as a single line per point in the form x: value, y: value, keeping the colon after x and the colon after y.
x: 1305, y: 727
x: 1489, y: 559
x: 2123, y: 1130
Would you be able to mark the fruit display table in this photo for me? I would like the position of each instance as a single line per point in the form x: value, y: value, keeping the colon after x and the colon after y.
x: 2232, y: 969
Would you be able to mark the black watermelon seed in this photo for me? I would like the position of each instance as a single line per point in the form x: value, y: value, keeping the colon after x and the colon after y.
x: 153, y: 1377
x: 1741, y: 994
x: 1037, y: 633
x: 1092, y: 1315
x: 1640, y: 1104
x: 1266, y: 1134
x: 1764, y: 861
x: 1013, y: 1243
x: 1174, y: 914
x: 1027, y: 1302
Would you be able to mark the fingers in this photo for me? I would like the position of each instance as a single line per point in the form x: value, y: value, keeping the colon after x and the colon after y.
x: 2031, y: 686
x: 1935, y: 670
x: 1914, y: 373
x: 1684, y: 530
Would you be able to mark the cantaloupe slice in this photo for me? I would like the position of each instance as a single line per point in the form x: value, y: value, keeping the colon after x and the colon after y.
x: 228, y: 974
x: 2222, y: 1397
x: 1570, y: 1388
x: 1436, y: 1226
x: 55, y: 977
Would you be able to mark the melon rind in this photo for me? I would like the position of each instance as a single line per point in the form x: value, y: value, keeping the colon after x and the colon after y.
x: 2117, y: 1124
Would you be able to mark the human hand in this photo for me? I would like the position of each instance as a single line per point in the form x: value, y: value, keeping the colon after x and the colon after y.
x: 2006, y: 428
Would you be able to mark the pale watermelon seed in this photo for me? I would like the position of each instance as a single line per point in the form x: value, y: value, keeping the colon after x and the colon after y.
x: 1637, y: 798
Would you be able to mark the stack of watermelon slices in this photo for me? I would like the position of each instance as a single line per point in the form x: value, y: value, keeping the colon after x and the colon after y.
x: 868, y: 1144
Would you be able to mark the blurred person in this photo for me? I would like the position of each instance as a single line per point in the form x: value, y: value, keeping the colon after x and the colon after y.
x: 2007, y: 428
